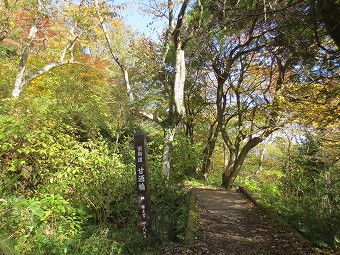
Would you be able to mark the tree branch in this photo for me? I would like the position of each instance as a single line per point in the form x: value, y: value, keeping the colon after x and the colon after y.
x: 151, y: 116
x: 115, y: 56
x: 180, y: 19
x: 45, y: 69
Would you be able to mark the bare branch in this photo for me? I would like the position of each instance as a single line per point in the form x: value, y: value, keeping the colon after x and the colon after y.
x: 177, y: 31
x: 151, y: 117
x: 46, y: 69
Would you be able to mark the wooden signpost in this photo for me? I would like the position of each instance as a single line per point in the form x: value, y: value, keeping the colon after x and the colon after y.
x: 142, y: 179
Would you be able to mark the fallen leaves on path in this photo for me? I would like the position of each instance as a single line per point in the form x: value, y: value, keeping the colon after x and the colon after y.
x: 230, y: 225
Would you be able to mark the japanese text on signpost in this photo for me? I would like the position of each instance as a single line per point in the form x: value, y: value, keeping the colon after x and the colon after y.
x: 142, y: 178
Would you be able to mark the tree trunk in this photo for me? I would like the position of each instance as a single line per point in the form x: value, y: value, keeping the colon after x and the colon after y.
x: 19, y: 81
x: 128, y: 86
x: 179, y: 81
x: 231, y: 161
x: 260, y: 166
x: 169, y: 134
x: 228, y: 179
x: 229, y: 175
x: 207, y: 158
x: 191, y: 169
x: 114, y: 55
x: 189, y: 129
x: 209, y: 150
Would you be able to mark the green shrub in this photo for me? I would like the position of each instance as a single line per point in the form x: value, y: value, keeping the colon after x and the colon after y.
x: 60, y: 194
x: 36, y: 225
x: 170, y: 210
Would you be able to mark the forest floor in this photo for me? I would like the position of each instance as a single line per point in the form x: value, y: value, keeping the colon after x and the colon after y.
x: 229, y: 224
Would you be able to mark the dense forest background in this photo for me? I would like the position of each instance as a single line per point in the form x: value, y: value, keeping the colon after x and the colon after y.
x: 231, y: 93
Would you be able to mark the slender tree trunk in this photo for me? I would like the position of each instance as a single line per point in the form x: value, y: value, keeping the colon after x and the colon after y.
x: 128, y: 86
x: 288, y: 156
x: 207, y: 158
x: 260, y: 166
x: 189, y: 131
x: 114, y: 55
x: 209, y: 150
x: 191, y: 169
x: 169, y: 134
x: 19, y: 80
x: 214, y: 130
x: 179, y: 81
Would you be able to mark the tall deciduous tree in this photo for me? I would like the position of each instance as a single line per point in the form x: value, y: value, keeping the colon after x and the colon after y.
x: 177, y: 35
x: 40, y: 32
x: 173, y: 74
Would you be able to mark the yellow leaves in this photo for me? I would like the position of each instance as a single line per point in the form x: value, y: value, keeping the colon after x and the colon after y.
x: 281, y: 100
x: 316, y: 104
x: 82, y: 15
x: 37, y: 87
x: 117, y: 23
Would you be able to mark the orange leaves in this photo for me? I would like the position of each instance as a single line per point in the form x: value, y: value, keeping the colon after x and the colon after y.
x: 95, y: 62
x: 24, y: 18
x: 22, y: 23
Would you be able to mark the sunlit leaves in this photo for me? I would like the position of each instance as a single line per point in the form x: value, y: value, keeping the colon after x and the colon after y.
x: 316, y: 104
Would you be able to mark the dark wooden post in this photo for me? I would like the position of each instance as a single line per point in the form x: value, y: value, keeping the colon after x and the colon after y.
x: 142, y: 179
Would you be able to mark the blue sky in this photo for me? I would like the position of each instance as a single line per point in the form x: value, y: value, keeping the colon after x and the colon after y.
x: 138, y: 20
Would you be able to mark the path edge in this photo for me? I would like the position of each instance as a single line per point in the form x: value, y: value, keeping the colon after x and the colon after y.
x: 277, y: 218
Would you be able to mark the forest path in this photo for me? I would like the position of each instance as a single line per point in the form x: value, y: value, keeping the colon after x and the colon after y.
x: 229, y: 224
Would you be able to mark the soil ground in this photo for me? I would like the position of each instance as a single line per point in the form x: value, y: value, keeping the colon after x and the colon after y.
x: 229, y: 224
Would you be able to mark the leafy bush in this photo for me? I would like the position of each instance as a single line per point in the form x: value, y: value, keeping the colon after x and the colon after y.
x: 42, y: 157
x: 170, y: 209
x: 63, y: 195
x: 38, y: 225
x: 186, y: 158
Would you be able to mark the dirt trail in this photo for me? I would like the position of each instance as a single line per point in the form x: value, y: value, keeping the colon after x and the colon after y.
x: 229, y: 224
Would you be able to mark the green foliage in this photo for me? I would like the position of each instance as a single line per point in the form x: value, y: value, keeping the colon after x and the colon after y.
x: 8, y: 66
x: 312, y: 190
x: 99, y: 242
x: 39, y: 224
x: 170, y: 209
x: 8, y: 51
x: 63, y: 194
x: 186, y: 158
x: 305, y: 193
x: 41, y: 157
